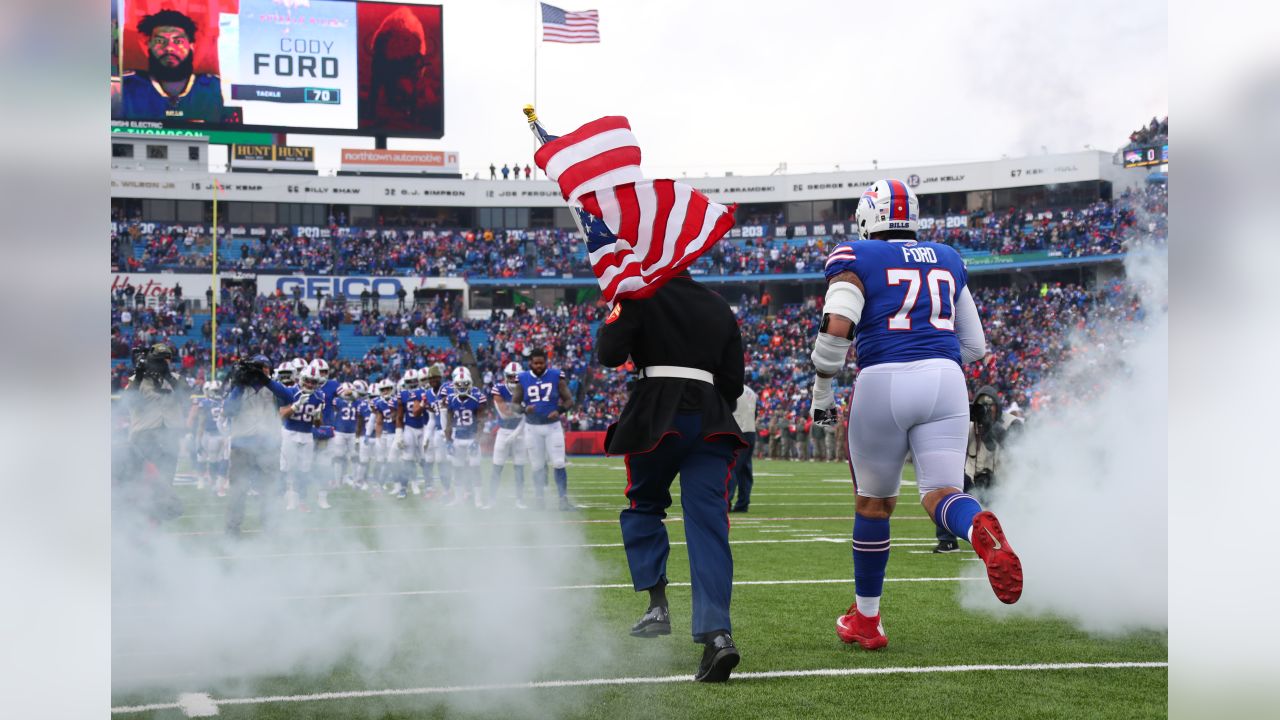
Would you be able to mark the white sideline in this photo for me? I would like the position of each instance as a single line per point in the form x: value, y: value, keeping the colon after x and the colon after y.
x: 596, y: 682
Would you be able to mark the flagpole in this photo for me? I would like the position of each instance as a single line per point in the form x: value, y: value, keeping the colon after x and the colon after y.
x: 213, y: 318
x: 537, y: 18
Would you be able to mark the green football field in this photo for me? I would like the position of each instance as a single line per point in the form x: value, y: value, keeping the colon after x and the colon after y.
x: 386, y: 608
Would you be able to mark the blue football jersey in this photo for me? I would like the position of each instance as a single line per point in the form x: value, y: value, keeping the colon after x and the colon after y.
x: 463, y: 409
x: 364, y: 408
x: 208, y: 418
x: 910, y: 290
x: 542, y: 393
x: 501, y: 390
x: 345, y: 413
x: 330, y: 390
x: 313, y: 408
x: 385, y: 409
x: 435, y: 400
x: 411, y: 400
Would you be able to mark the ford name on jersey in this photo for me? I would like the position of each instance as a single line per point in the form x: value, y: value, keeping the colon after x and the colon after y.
x: 910, y: 290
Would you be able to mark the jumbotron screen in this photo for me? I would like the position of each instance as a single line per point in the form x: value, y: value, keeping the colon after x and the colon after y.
x: 323, y: 66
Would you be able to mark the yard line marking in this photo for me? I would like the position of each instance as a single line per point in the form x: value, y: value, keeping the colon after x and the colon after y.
x: 596, y: 682
x: 607, y: 586
x: 549, y: 546
x: 197, y: 705
x: 673, y: 518
x: 557, y: 588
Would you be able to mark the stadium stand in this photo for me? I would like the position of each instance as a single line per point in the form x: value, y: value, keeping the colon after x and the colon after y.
x: 1099, y: 228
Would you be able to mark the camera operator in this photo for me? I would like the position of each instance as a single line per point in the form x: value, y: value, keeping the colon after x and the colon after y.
x: 989, y: 430
x: 253, y: 424
x: 157, y: 401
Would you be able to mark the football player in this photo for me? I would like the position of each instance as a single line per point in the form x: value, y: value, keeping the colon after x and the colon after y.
x: 464, y: 404
x: 208, y: 438
x: 297, y: 454
x: 433, y: 443
x: 367, y: 450
x: 509, y: 443
x: 908, y: 305
x: 413, y: 419
x: 546, y: 397
x: 385, y: 407
x: 326, y: 455
x: 347, y: 426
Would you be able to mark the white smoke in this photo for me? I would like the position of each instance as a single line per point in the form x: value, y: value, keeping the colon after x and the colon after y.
x: 202, y: 613
x: 1083, y: 494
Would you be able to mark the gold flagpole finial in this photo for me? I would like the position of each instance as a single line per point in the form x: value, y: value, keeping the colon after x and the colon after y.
x: 529, y: 113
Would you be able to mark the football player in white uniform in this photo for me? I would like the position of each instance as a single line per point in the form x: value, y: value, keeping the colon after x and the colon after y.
x: 508, y: 444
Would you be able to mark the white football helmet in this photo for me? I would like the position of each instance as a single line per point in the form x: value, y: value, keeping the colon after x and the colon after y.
x: 297, y: 364
x: 411, y: 379
x: 322, y: 369
x: 346, y: 392
x: 213, y: 389
x: 511, y: 373
x: 285, y: 374
x: 386, y: 388
x: 309, y: 378
x: 359, y: 388
x: 887, y: 205
x: 461, y: 379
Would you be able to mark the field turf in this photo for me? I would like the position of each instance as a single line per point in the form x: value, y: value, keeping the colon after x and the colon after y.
x: 391, y: 569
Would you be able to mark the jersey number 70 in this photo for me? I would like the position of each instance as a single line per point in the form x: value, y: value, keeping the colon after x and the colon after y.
x: 901, y: 320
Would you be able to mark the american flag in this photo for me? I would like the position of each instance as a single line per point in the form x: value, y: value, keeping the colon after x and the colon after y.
x: 569, y: 26
x: 640, y: 233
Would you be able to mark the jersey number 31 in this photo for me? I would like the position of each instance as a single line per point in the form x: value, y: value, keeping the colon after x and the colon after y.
x: 901, y: 320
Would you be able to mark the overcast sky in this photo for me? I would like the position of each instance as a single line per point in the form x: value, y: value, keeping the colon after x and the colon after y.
x: 715, y: 86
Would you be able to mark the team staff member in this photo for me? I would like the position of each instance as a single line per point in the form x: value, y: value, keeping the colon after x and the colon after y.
x: 253, y: 423
x: 679, y: 419
x: 745, y: 415
x: 156, y: 422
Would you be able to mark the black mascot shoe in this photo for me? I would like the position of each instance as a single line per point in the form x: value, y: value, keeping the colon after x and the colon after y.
x: 718, y: 659
x: 656, y: 621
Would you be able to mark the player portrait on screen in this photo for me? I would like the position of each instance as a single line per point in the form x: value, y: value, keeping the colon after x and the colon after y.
x: 170, y: 88
x: 401, y: 76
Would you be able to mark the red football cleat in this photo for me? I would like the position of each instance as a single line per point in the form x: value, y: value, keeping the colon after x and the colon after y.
x: 854, y: 627
x: 1004, y: 569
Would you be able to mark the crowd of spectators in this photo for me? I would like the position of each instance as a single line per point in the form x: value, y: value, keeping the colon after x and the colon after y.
x: 1031, y: 330
x: 1153, y: 133
x: 1099, y: 228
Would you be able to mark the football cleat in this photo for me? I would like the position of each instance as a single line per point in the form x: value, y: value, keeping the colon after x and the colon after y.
x: 1004, y: 569
x: 655, y: 621
x: 947, y: 546
x: 854, y: 627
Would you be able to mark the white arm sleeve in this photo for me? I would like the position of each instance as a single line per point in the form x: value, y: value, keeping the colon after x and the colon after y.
x: 973, y: 343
